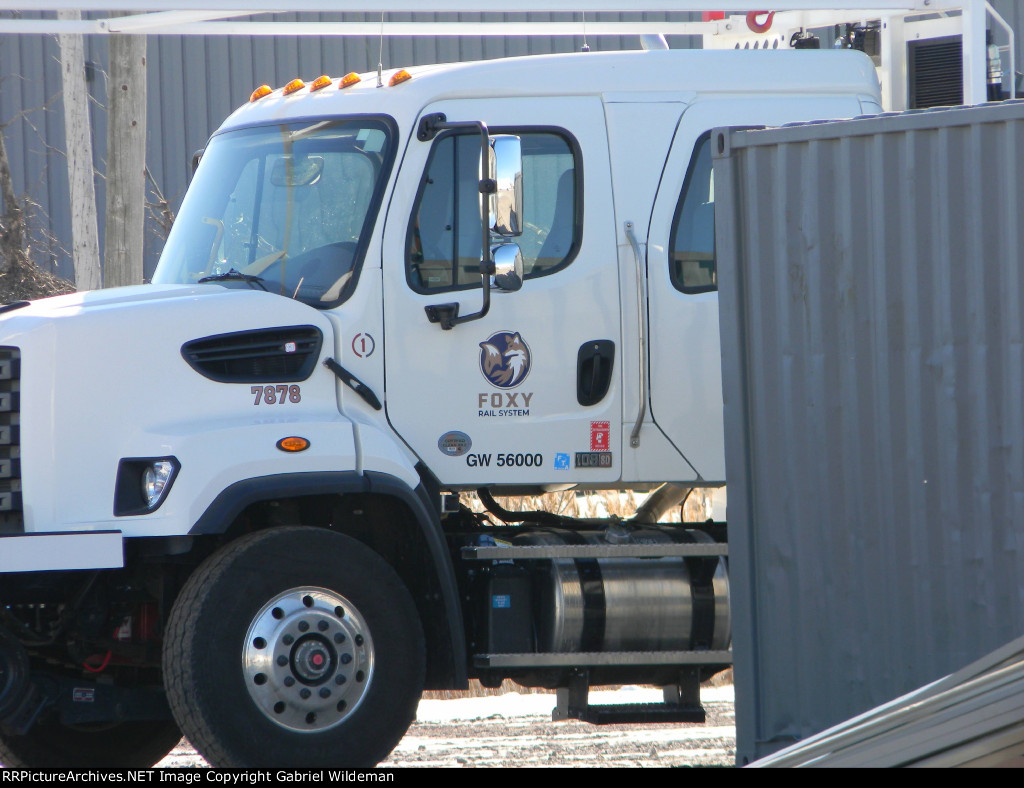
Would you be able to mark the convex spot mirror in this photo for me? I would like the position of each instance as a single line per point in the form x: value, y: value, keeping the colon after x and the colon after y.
x: 297, y: 170
x: 506, y: 170
x: 508, y: 267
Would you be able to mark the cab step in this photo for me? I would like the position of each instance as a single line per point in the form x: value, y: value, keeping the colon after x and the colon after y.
x: 682, y: 704
x: 635, y: 713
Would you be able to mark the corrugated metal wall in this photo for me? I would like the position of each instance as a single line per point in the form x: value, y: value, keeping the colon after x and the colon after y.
x: 195, y: 82
x: 873, y: 363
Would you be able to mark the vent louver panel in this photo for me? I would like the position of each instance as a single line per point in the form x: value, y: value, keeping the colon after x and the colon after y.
x: 271, y: 355
x: 936, y: 72
x: 12, y: 518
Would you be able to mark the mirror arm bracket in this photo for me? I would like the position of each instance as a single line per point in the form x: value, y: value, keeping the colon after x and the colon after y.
x: 448, y: 314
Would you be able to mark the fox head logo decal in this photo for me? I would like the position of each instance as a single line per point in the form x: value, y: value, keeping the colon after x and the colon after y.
x: 505, y: 359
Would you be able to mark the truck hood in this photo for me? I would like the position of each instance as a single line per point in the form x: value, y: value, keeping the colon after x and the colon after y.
x: 103, y: 376
x: 184, y: 311
x: 57, y: 306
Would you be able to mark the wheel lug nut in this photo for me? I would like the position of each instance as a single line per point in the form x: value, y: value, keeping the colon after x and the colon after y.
x: 303, y: 626
x: 287, y: 640
x: 289, y: 681
x: 339, y: 637
x: 324, y: 692
x: 346, y: 658
x: 304, y: 693
x: 339, y: 679
x: 282, y: 660
x: 322, y: 626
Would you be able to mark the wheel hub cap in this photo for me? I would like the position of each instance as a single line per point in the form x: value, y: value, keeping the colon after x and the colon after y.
x: 312, y: 660
x: 307, y: 659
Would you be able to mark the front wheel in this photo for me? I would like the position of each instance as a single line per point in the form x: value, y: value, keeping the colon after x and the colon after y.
x: 294, y: 647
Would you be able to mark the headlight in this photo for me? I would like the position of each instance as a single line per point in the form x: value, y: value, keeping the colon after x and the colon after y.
x: 142, y: 484
x: 154, y: 481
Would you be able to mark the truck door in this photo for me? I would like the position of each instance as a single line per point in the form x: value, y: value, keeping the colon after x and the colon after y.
x: 685, y: 364
x: 527, y: 394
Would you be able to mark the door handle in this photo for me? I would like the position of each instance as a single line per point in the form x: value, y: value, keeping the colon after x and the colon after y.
x: 594, y: 364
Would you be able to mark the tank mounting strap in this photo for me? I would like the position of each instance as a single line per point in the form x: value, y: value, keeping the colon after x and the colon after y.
x: 697, y: 550
x: 602, y: 659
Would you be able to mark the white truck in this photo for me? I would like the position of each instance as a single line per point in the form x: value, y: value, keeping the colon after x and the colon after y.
x: 230, y: 498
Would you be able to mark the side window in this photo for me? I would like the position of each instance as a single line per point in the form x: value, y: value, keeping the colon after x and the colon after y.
x: 443, y: 243
x: 692, y: 252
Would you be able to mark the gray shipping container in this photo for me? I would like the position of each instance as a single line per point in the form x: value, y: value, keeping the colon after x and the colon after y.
x: 873, y: 375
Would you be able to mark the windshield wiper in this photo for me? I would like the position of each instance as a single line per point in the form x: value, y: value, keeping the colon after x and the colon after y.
x: 252, y: 281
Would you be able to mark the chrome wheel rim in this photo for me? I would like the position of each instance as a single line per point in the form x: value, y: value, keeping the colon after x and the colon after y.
x: 307, y: 659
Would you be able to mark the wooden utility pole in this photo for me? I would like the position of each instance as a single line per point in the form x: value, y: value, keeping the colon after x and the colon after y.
x: 85, y: 244
x: 126, y: 161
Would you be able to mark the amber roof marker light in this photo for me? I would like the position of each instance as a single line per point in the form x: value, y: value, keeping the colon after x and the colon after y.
x: 350, y: 79
x: 319, y: 83
x: 293, y: 86
x: 260, y: 92
x: 399, y: 77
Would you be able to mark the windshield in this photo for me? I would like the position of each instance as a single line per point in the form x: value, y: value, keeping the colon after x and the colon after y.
x: 284, y: 208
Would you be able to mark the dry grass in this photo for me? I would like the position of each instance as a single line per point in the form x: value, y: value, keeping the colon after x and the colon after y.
x: 696, y: 509
x: 25, y: 281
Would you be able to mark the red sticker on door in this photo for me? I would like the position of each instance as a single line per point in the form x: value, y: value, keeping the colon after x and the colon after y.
x: 600, y: 435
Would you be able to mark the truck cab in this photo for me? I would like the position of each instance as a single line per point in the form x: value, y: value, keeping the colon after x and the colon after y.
x: 331, y: 199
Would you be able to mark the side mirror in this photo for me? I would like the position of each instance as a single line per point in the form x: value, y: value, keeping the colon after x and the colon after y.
x: 196, y: 158
x: 508, y: 267
x: 506, y: 171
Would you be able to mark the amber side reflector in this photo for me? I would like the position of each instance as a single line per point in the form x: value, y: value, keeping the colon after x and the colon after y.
x: 399, y: 77
x: 260, y: 92
x: 293, y: 444
x: 320, y: 82
x: 350, y: 79
x: 291, y: 87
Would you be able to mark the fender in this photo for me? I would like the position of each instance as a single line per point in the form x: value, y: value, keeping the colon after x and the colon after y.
x: 234, y: 500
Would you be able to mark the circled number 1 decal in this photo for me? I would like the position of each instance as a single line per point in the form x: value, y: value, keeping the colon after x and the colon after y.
x: 275, y: 395
x: 363, y: 345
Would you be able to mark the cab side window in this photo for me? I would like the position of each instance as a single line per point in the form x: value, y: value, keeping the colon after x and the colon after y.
x: 443, y: 241
x: 692, y: 251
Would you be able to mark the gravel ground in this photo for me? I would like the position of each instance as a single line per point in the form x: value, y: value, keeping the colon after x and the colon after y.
x: 516, y: 730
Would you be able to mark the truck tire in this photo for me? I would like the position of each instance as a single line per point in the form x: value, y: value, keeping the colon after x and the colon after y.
x: 294, y: 647
x: 126, y: 745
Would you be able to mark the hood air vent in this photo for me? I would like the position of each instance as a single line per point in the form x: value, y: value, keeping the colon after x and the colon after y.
x: 267, y: 355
